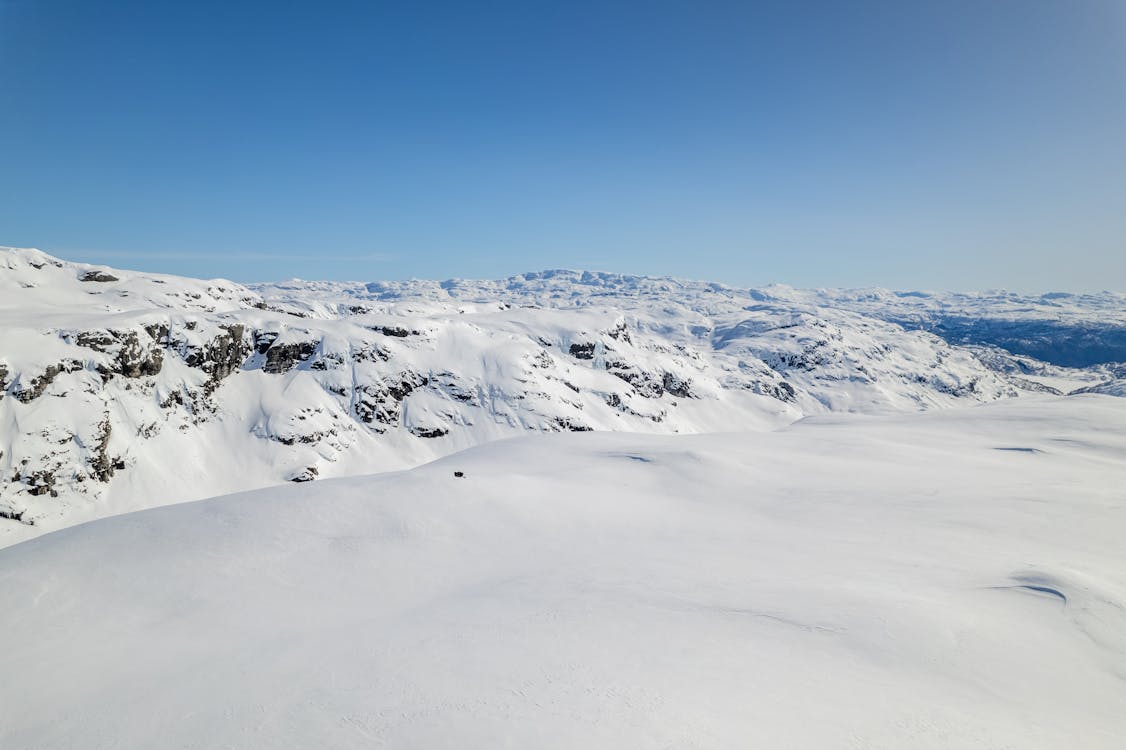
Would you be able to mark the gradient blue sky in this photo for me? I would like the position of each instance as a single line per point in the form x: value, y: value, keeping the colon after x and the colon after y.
x: 948, y: 144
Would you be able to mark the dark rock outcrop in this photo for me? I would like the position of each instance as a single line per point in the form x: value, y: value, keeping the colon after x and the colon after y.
x: 263, y: 340
x: 780, y: 390
x: 620, y: 333
x: 99, y: 276
x: 222, y: 355
x: 677, y: 386
x: 308, y: 474
x: 429, y: 432
x: 565, y: 424
x: 583, y: 350
x: 377, y: 404
x: 134, y: 359
x: 645, y: 383
x: 454, y: 387
x: 41, y: 483
x: 395, y: 331
x: 15, y: 515
x: 33, y: 390
x: 101, y: 465
x: 284, y: 357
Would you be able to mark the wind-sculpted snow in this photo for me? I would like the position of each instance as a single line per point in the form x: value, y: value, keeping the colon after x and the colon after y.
x: 954, y: 579
x: 120, y: 390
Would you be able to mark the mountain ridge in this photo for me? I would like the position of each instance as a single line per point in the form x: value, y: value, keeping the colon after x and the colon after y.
x: 119, y: 389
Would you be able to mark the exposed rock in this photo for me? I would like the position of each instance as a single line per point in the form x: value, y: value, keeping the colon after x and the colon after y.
x: 645, y: 383
x: 377, y: 404
x: 395, y: 331
x: 960, y: 389
x: 620, y: 332
x: 133, y: 359
x: 158, y: 332
x: 780, y: 390
x: 328, y: 361
x: 370, y: 354
x: 569, y: 425
x: 429, y: 432
x: 101, y: 466
x: 452, y: 386
x: 263, y: 340
x: 99, y: 341
x: 814, y: 355
x: 277, y: 309
x: 174, y: 398
x: 676, y: 386
x: 481, y: 368
x: 41, y: 483
x: 100, y: 276
x: 308, y: 474
x: 1034, y: 387
x: 15, y: 515
x: 27, y: 394
x: 221, y: 356
x: 310, y: 438
x: 284, y: 357
x: 584, y: 350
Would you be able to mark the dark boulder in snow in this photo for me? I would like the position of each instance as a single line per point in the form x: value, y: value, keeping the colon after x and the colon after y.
x: 99, y: 276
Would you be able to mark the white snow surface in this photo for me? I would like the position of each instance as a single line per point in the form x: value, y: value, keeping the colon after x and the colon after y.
x: 946, y: 579
x: 122, y: 390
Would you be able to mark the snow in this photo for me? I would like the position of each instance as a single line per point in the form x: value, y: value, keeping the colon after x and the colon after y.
x: 690, y: 515
x: 128, y: 390
x: 947, y: 579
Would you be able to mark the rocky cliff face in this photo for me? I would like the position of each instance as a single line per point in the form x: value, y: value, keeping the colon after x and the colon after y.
x: 120, y: 390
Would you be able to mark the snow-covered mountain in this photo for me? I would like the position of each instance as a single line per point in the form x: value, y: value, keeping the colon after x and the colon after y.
x: 120, y: 390
x: 1074, y: 330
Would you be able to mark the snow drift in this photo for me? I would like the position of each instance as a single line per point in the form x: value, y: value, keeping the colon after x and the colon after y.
x: 951, y: 579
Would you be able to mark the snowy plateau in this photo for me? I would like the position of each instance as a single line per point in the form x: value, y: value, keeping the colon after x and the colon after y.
x: 564, y: 509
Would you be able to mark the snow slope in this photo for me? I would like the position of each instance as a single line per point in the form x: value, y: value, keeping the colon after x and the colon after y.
x: 947, y: 579
x: 122, y: 390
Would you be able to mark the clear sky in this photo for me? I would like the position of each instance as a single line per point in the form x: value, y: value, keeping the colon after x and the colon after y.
x: 957, y: 144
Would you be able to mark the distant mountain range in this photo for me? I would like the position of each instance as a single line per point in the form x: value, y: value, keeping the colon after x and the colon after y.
x: 120, y: 390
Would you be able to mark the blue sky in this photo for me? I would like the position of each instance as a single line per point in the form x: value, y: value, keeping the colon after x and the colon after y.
x: 946, y: 144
